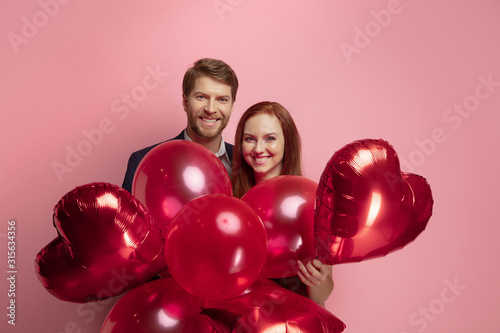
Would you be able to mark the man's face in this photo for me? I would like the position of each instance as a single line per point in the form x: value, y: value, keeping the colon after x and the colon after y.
x: 208, y: 108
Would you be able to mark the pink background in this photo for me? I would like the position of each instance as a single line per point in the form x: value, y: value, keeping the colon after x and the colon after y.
x: 346, y: 70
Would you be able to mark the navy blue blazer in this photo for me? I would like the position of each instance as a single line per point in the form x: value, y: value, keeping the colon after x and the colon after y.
x: 136, y: 158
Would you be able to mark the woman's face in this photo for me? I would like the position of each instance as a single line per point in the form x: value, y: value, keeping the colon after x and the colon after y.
x: 263, y: 145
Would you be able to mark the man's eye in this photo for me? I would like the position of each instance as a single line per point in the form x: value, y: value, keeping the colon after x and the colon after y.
x: 200, y: 96
x: 224, y: 100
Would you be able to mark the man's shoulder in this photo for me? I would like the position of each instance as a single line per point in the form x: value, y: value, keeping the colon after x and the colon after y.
x: 229, y: 149
x: 139, y: 154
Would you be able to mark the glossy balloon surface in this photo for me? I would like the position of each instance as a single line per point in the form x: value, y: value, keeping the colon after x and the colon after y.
x: 285, y: 205
x: 365, y: 206
x: 107, y: 244
x: 174, y: 173
x: 216, y: 246
x: 159, y: 306
x: 270, y: 308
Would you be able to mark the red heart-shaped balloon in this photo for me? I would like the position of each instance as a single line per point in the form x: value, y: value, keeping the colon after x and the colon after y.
x: 365, y: 206
x: 107, y: 244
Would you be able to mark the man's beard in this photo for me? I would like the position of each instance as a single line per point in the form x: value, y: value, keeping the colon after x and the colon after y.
x: 207, y: 134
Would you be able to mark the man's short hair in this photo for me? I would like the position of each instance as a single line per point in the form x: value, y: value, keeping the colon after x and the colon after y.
x: 212, y: 68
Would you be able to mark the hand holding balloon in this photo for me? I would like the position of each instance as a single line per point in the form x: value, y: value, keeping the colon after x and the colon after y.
x: 313, y: 273
x: 317, y: 276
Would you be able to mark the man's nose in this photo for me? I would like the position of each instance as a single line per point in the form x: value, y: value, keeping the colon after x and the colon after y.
x: 210, y: 106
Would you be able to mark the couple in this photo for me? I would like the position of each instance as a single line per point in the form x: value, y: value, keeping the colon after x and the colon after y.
x: 267, y: 144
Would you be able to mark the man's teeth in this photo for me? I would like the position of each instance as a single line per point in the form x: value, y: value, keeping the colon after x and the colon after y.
x: 209, y: 120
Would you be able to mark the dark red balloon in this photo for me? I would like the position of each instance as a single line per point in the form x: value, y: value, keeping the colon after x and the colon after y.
x: 216, y: 246
x: 285, y: 205
x: 107, y: 244
x: 159, y: 306
x: 174, y: 173
x: 365, y: 206
x: 270, y: 308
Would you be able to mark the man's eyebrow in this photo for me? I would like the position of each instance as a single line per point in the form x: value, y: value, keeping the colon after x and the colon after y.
x: 270, y: 133
x: 205, y: 93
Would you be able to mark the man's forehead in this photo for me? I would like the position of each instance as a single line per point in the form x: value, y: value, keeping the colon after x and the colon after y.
x: 207, y: 84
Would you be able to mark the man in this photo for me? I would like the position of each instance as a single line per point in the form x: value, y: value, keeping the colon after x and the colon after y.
x: 208, y: 93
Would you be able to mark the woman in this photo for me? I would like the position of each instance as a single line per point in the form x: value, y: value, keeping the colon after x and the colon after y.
x: 267, y: 144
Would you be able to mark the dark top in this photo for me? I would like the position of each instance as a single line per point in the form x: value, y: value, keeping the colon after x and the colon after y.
x: 292, y: 283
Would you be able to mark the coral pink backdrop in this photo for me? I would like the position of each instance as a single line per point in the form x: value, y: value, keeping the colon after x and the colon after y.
x: 85, y: 83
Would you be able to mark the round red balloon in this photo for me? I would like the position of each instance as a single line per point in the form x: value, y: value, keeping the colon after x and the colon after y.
x: 160, y: 306
x: 285, y: 205
x: 174, y: 173
x: 216, y: 246
x: 107, y: 244
x: 365, y: 206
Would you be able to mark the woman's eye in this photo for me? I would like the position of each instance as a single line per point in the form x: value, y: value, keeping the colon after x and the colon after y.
x: 270, y: 138
x: 249, y: 139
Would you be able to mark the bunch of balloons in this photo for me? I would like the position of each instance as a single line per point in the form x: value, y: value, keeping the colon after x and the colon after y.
x: 215, y: 252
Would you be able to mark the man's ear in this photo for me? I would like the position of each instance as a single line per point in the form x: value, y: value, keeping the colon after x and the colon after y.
x: 184, y: 102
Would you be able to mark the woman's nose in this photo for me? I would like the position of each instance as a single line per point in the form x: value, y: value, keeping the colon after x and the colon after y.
x: 258, y: 148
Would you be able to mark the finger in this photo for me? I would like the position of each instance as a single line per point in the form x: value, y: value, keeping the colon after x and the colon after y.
x: 320, y: 266
x: 306, y: 279
x: 304, y: 275
x: 317, y: 274
x: 325, y: 269
x: 302, y: 268
x: 310, y: 275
